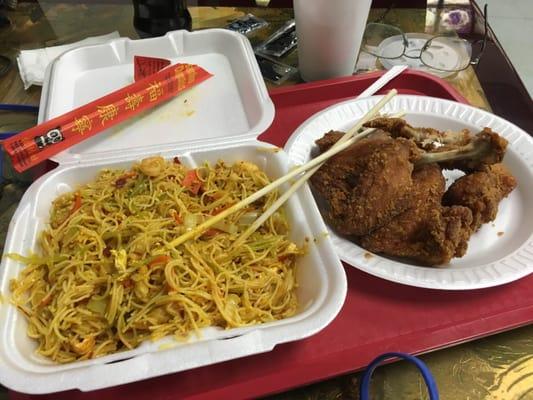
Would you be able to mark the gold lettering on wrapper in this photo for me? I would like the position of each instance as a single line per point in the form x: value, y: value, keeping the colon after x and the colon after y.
x: 107, y: 113
x: 191, y: 74
x: 179, y: 73
x: 82, y: 125
x: 155, y: 90
x: 133, y: 101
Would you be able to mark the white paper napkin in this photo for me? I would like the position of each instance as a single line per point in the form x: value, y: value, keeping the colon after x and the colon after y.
x: 32, y: 63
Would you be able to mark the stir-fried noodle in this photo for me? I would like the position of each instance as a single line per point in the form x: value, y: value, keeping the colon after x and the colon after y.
x: 106, y: 278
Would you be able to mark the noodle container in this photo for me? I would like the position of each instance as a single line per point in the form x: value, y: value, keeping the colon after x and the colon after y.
x: 218, y: 119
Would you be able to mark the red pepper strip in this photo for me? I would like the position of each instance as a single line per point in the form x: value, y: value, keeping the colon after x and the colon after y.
x: 218, y: 210
x: 77, y: 203
x: 178, y: 219
x: 121, y: 181
x: 127, y: 283
x: 159, y: 260
x: 210, y: 233
x: 192, y: 182
x: 46, y: 300
x: 284, y: 257
x: 216, y: 195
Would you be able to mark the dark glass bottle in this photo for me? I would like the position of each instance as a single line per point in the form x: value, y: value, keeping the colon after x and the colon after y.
x: 157, y: 17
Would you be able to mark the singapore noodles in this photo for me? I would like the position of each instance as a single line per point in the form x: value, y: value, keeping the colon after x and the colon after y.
x: 106, y: 279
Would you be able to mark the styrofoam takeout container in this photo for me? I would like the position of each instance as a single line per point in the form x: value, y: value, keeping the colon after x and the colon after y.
x: 219, y: 119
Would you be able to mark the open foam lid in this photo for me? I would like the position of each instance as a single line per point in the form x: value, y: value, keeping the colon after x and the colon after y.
x: 231, y: 106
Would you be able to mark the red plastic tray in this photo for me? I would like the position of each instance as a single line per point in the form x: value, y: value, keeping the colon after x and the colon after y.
x: 378, y: 315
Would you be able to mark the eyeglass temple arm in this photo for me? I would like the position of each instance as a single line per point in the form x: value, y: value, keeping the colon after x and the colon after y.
x: 485, y: 35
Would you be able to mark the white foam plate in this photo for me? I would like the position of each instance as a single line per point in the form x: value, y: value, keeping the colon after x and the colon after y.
x: 492, y: 258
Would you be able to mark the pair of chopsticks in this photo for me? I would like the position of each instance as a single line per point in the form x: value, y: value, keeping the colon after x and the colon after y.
x: 351, y: 137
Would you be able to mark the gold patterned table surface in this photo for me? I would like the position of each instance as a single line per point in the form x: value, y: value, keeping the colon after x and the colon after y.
x: 499, y: 367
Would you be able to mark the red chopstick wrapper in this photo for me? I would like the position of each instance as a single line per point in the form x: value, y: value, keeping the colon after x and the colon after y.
x: 146, y: 66
x: 41, y: 142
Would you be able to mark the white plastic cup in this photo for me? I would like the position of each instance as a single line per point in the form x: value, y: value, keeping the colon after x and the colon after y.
x: 329, y: 36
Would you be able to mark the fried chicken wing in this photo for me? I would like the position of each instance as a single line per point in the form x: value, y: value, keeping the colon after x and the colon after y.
x: 367, y: 184
x: 452, y: 150
x: 486, y: 148
x: 481, y: 192
x: 428, y: 139
x: 426, y: 231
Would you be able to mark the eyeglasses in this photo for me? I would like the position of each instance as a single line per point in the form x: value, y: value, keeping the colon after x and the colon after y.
x: 443, y: 52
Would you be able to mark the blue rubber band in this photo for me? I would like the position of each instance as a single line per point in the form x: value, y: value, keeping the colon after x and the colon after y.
x: 424, y: 370
x: 18, y: 108
x: 7, y: 135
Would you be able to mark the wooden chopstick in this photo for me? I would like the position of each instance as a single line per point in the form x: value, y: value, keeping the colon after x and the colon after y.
x: 294, y: 187
x: 280, y: 181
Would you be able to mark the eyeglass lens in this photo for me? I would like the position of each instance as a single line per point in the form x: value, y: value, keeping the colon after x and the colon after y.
x: 375, y: 36
x: 447, y: 53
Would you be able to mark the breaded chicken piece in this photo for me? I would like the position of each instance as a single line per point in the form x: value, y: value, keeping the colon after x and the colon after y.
x: 426, y: 232
x: 364, y: 186
x: 481, y: 192
x: 328, y: 140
